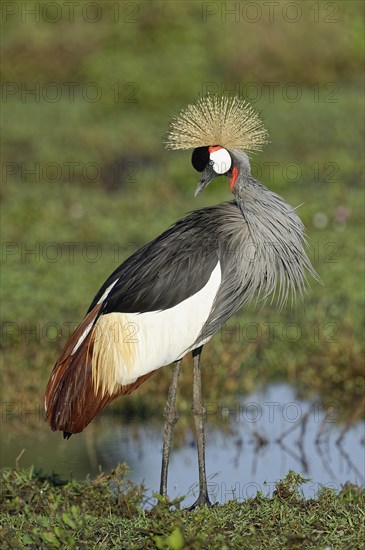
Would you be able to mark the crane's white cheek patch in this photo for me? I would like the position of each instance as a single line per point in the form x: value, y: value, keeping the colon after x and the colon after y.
x: 222, y: 161
x: 129, y: 345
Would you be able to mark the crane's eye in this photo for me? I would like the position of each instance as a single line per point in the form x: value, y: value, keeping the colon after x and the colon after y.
x: 221, y: 161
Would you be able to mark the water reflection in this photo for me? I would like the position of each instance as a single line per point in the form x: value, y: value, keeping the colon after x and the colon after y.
x: 270, y: 433
x: 252, y: 444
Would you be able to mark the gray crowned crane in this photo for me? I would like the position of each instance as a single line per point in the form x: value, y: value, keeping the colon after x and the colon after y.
x: 173, y: 294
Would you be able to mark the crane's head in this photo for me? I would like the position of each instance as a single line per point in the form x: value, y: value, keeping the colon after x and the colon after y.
x: 220, y: 130
x: 215, y: 161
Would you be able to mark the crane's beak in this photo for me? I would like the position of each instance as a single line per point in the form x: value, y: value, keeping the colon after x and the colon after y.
x: 207, y: 175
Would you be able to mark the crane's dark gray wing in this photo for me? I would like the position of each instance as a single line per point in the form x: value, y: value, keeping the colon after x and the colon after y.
x: 166, y: 271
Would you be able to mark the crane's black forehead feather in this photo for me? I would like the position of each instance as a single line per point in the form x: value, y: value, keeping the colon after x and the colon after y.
x: 200, y: 158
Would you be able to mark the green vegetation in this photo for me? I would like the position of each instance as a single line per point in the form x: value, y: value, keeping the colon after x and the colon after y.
x: 70, y: 223
x: 45, y: 512
x: 65, y: 230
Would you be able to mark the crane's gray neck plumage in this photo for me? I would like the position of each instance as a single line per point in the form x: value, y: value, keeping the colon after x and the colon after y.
x: 278, y: 261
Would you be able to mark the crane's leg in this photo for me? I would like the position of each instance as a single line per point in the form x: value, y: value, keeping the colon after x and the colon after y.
x: 199, y: 413
x: 171, y: 417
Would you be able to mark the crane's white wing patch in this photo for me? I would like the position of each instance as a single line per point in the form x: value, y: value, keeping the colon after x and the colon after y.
x: 82, y: 337
x: 128, y: 345
x: 107, y: 291
x: 89, y: 326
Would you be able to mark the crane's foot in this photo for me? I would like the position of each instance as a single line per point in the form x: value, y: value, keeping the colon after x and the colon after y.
x: 202, y: 500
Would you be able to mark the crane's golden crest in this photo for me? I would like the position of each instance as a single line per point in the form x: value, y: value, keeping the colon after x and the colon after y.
x: 227, y: 121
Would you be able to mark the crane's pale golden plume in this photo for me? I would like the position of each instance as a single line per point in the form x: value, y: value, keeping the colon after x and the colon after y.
x: 227, y: 121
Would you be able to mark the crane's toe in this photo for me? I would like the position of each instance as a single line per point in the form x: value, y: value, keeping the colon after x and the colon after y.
x: 202, y: 500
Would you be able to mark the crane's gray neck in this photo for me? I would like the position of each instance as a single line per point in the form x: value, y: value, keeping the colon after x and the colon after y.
x: 254, y: 199
x: 242, y: 161
x: 277, y: 235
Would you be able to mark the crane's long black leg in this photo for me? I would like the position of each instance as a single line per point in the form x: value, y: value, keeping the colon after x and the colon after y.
x: 171, y: 417
x: 199, y: 413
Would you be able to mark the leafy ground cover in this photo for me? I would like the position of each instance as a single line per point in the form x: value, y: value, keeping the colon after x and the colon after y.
x: 39, y: 511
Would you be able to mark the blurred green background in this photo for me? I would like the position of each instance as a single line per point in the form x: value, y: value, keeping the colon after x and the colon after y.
x: 87, y: 95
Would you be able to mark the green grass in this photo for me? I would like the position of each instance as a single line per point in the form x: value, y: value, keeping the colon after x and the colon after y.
x: 45, y: 511
x: 168, y: 57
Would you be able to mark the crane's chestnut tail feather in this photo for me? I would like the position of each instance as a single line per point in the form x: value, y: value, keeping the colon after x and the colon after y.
x: 71, y: 400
